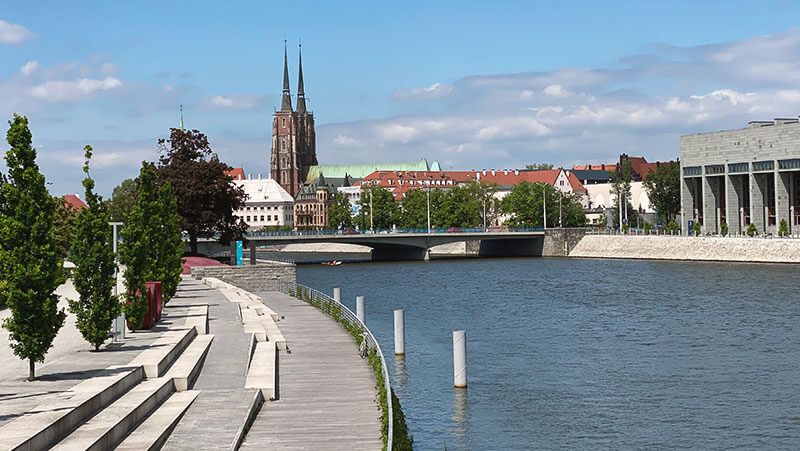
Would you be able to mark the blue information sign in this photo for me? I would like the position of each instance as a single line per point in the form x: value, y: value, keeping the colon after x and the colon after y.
x: 238, y: 253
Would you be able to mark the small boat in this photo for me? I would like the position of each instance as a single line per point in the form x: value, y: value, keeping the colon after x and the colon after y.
x: 332, y: 263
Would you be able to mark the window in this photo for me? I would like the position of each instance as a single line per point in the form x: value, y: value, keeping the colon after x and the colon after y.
x: 262, y: 218
x: 284, y: 122
x: 283, y: 144
x: 248, y: 219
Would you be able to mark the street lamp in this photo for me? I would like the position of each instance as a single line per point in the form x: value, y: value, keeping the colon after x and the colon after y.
x: 544, y: 206
x: 119, y: 322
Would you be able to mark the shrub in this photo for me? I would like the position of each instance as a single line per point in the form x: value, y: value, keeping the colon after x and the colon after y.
x: 723, y: 228
x: 697, y: 229
x: 752, y: 230
x: 647, y: 228
x: 783, y: 230
x: 672, y: 228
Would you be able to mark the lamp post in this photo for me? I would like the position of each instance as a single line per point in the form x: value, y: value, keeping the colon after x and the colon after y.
x: 484, y: 212
x: 559, y: 209
x: 119, y: 322
x: 544, y: 206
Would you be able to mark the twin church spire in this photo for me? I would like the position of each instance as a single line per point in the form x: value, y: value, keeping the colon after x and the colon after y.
x: 286, y: 98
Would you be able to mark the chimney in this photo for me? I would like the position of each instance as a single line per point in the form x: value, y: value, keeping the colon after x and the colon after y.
x: 484, y: 172
x: 259, y: 176
x: 516, y: 171
x: 505, y: 171
x: 493, y: 172
x: 603, y: 167
x: 249, y: 176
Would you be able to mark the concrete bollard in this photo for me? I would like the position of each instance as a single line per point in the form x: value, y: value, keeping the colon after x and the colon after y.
x: 337, y: 295
x: 399, y: 332
x: 360, y: 313
x: 460, y: 358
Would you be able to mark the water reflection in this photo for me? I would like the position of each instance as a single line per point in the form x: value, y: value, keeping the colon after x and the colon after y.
x: 459, y: 430
x: 400, y: 376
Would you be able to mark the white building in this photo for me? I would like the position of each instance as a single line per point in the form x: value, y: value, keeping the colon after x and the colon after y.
x: 267, y: 204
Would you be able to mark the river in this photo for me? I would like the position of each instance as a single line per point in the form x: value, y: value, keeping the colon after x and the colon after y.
x: 587, y: 353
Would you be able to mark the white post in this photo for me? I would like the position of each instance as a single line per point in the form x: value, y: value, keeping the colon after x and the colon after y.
x: 119, y: 322
x: 360, y: 312
x: 428, y: 193
x: 544, y: 208
x: 337, y: 295
x: 399, y: 332
x: 460, y: 358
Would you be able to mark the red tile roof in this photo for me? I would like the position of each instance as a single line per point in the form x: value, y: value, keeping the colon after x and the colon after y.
x: 596, y: 167
x: 74, y: 202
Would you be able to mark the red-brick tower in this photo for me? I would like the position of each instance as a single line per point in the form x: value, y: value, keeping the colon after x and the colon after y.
x: 293, y: 137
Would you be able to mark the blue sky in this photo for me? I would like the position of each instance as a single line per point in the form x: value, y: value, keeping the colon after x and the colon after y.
x: 473, y: 84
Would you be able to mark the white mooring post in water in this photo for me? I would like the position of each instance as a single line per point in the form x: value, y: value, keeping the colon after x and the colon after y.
x: 399, y: 332
x: 360, y: 313
x: 460, y: 358
x: 337, y: 295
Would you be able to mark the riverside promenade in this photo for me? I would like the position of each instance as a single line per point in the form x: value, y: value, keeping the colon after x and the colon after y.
x: 327, y: 392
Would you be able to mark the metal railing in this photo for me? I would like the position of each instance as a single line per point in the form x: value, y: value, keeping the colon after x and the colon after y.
x: 327, y: 304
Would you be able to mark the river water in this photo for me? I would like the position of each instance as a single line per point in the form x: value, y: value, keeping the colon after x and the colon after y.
x: 586, y: 353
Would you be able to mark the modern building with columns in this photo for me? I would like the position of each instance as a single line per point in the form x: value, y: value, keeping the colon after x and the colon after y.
x: 744, y: 176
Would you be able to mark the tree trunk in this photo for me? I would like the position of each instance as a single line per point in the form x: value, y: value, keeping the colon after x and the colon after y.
x: 31, y: 370
x: 193, y: 244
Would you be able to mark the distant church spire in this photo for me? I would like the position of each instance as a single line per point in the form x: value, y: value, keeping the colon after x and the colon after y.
x: 181, y: 117
x: 286, y: 101
x: 301, y: 95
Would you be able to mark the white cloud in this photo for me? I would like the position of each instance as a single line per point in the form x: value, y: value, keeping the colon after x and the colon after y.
x: 11, y: 33
x: 343, y: 140
x: 233, y: 102
x: 109, y: 68
x: 60, y: 91
x: 432, y: 92
x: 29, y: 68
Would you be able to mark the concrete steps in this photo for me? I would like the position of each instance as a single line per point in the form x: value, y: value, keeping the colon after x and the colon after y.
x: 263, y: 371
x: 186, y: 368
x: 154, y: 431
x: 110, y: 426
x: 158, y: 357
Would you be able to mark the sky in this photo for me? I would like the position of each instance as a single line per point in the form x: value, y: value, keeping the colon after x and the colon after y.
x: 472, y: 84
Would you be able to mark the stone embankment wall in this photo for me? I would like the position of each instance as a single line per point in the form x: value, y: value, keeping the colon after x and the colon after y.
x: 560, y: 242
x: 262, y: 277
x: 765, y: 250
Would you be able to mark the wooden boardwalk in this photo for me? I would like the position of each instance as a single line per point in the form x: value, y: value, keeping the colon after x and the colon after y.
x: 327, y: 392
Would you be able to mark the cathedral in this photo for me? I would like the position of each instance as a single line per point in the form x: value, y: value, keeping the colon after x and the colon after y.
x: 293, y: 138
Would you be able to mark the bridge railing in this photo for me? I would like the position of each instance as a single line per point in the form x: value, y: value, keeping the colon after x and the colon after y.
x: 332, y: 232
x: 350, y: 321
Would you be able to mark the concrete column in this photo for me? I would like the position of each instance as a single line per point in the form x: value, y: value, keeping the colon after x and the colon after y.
x: 757, y: 202
x: 460, y: 358
x: 733, y: 193
x: 337, y: 295
x: 710, y: 214
x: 783, y: 184
x: 252, y: 254
x: 360, y: 312
x: 687, y: 204
x: 399, y: 332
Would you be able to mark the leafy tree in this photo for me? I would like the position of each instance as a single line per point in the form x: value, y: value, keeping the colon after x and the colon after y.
x: 672, y: 228
x: 539, y: 167
x: 65, y: 226
x: 414, y: 208
x: 94, y: 279
x: 30, y: 266
x: 339, y: 213
x: 621, y: 181
x: 664, y: 190
x: 752, y: 230
x: 647, y: 228
x: 168, y: 258
x: 123, y: 198
x: 525, y: 205
x: 136, y: 250
x: 206, y: 196
x: 723, y: 228
x: 385, y: 208
x: 632, y: 215
x: 783, y: 229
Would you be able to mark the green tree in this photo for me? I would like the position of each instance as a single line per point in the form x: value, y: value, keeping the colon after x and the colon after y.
x: 697, y: 229
x: 539, y: 167
x: 525, y: 205
x: 723, y: 228
x: 632, y: 215
x: 93, y: 255
x: 664, y: 191
x: 123, y: 198
x: 783, y: 229
x: 752, y: 230
x: 65, y: 226
x: 30, y: 266
x: 672, y: 228
x: 168, y: 258
x: 385, y: 208
x: 339, y: 213
x: 136, y: 250
x: 621, y: 181
x: 206, y: 196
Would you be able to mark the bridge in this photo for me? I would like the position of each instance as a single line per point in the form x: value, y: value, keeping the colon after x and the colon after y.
x: 403, y: 245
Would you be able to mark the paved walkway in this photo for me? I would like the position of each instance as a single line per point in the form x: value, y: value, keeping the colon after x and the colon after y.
x: 216, y: 417
x: 68, y: 363
x: 327, y: 392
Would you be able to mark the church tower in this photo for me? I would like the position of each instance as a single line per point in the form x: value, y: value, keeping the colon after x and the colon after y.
x: 293, y: 137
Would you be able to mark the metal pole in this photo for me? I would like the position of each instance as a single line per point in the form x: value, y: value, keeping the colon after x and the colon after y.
x: 544, y: 207
x: 559, y: 209
x: 460, y: 358
x: 119, y: 322
x: 428, y: 192
x: 371, y: 227
x: 360, y: 312
x: 337, y: 295
x: 484, y: 212
x: 399, y: 332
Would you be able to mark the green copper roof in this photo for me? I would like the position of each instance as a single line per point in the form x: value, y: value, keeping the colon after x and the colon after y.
x: 360, y: 171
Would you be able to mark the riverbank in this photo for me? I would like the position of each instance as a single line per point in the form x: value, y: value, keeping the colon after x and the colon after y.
x: 750, y: 250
